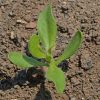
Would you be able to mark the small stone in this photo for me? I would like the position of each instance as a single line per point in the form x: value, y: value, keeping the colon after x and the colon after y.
x: 87, y: 64
x: 16, y: 86
x: 86, y: 60
x: 12, y: 35
x: 3, y: 9
x: 64, y: 3
x: 21, y: 22
x: 83, y: 98
x: 27, y: 18
x: 31, y: 25
x: 11, y: 14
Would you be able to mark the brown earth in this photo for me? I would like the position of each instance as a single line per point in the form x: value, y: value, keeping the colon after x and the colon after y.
x: 18, y: 22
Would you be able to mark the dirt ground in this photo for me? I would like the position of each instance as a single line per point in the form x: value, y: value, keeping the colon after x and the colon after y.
x: 18, y: 22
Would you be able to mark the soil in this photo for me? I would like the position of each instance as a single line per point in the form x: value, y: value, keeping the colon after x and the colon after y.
x: 18, y: 22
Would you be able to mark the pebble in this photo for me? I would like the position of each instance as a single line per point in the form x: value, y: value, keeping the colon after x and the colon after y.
x: 21, y: 22
x: 16, y: 86
x: 64, y: 3
x: 31, y: 25
x: 27, y: 18
x: 82, y: 98
x: 3, y: 9
x: 11, y: 14
x: 12, y: 35
x: 86, y: 61
x: 87, y: 64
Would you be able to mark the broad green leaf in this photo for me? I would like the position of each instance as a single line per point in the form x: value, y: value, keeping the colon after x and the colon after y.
x: 34, y: 47
x: 47, y: 28
x: 72, y: 47
x: 23, y: 61
x: 56, y: 75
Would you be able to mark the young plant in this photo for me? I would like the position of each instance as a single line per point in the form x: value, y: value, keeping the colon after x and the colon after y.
x: 42, y: 45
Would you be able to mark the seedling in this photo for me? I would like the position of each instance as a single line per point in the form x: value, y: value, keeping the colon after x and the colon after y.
x: 42, y: 45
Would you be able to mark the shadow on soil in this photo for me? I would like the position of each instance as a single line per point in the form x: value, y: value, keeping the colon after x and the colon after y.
x: 43, y: 94
x: 22, y: 79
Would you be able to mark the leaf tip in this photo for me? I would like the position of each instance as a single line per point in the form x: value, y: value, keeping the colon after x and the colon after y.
x: 80, y: 33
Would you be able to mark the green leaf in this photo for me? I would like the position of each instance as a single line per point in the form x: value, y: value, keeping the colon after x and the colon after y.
x: 47, y: 28
x: 72, y: 47
x: 56, y: 75
x: 34, y: 47
x: 23, y: 61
